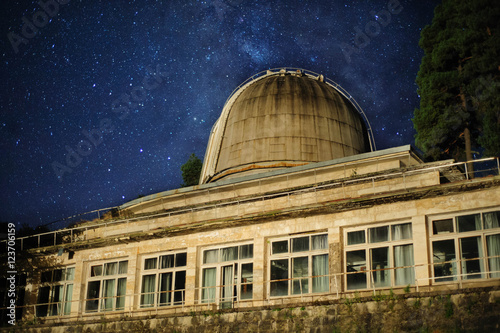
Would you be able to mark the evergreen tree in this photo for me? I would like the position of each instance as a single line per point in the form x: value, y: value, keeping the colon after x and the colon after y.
x: 459, y: 81
x: 191, y: 171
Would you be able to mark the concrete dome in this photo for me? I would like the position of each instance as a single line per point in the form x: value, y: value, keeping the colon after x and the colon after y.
x: 283, y: 119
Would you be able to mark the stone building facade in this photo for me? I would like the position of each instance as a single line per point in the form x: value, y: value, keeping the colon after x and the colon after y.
x: 310, y: 220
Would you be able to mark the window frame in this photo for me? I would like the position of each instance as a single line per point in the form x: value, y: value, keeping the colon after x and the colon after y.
x: 454, y: 236
x: 61, y: 288
x: 387, y: 275
x: 159, y: 272
x: 233, y: 267
x: 294, y: 259
x: 102, y: 303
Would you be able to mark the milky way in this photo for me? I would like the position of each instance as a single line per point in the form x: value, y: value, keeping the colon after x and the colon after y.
x: 103, y: 101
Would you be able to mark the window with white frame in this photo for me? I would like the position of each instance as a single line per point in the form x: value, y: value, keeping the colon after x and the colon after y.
x: 373, y: 255
x: 466, y: 246
x: 106, y: 286
x: 55, y: 292
x: 227, y: 274
x: 163, y: 280
x: 299, y: 265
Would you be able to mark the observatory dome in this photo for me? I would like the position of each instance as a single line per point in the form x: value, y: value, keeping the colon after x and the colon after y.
x: 283, y: 118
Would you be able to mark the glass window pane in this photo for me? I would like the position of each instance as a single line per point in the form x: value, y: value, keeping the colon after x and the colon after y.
x: 210, y: 256
x: 403, y: 256
x: 319, y: 242
x: 96, y: 270
x: 58, y: 275
x: 246, y: 281
x: 380, y: 234
x: 180, y: 259
x: 108, y: 294
x: 43, y: 298
x: 442, y: 226
x: 150, y: 263
x: 56, y: 300
x: 356, y: 237
x: 208, y: 284
x: 46, y: 277
x: 230, y: 253
x: 280, y: 247
x: 67, y: 299
x: 110, y: 268
x: 165, y: 289
x: 180, y: 286
x: 123, y: 267
x: 491, y: 220
x: 356, y: 262
x: 380, y: 263
x: 148, y: 291
x: 469, y: 222
x: 167, y: 261
x: 70, y: 274
x: 279, y: 271
x: 493, y: 248
x: 320, y: 267
x: 300, y: 244
x: 443, y: 253
x: 93, y: 293
x: 401, y: 231
x: 300, y: 269
x: 471, y: 249
x: 246, y: 251
x: 120, y: 293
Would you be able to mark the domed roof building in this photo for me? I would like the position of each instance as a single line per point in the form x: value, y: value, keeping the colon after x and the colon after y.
x: 284, y: 118
x: 295, y: 210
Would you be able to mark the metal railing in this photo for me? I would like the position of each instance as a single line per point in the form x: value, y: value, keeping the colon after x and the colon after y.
x: 134, y: 304
x: 491, y: 166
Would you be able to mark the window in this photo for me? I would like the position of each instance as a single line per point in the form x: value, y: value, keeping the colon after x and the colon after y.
x: 227, y: 275
x: 164, y: 280
x: 55, y: 292
x: 299, y: 265
x: 106, y: 286
x: 466, y: 247
x: 372, y: 252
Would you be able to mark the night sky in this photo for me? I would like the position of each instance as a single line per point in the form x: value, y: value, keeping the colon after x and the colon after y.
x: 152, y: 76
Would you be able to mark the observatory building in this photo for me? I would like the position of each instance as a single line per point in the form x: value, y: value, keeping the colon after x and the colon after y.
x: 295, y: 210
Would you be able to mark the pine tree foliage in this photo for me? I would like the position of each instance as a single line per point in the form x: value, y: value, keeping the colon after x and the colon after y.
x: 459, y: 81
x: 191, y: 171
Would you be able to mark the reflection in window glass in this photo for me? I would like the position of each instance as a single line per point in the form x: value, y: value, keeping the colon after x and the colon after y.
x: 280, y: 247
x: 300, y: 269
x: 380, y: 234
x: 356, y: 262
x: 300, y: 244
x: 380, y: 262
x: 246, y: 281
x: 401, y: 231
x: 356, y: 237
x: 469, y: 222
x: 443, y: 253
x: 279, y: 271
x: 471, y: 249
x: 442, y: 226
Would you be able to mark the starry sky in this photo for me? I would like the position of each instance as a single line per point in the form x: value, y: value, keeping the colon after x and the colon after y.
x: 103, y: 101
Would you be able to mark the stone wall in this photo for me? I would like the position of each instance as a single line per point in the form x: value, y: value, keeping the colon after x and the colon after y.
x: 470, y: 310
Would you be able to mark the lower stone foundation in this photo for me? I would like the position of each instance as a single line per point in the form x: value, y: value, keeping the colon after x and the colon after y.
x: 472, y: 310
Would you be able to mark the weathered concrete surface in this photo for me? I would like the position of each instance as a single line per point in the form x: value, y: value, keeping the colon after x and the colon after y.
x: 472, y: 310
